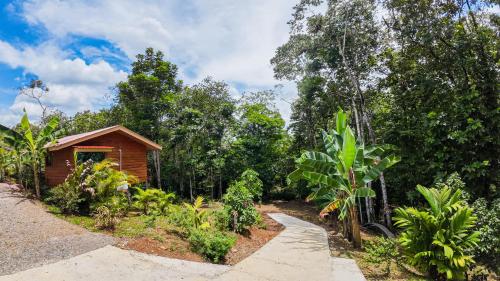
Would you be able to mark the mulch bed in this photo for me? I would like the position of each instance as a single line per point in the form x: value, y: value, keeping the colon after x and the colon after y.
x: 172, y: 246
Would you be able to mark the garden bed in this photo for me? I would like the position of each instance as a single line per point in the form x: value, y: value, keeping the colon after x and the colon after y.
x: 133, y: 233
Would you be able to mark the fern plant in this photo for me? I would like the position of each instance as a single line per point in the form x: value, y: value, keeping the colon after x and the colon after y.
x: 437, y: 239
x: 153, y: 200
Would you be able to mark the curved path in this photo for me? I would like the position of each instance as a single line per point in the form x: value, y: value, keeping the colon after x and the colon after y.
x: 300, y: 252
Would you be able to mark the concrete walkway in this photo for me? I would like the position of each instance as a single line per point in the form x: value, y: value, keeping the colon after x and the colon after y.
x: 298, y: 253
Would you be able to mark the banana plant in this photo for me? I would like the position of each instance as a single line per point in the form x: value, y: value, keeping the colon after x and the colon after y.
x: 15, y: 142
x: 6, y: 162
x: 340, y: 174
x: 35, y: 145
x: 199, y: 215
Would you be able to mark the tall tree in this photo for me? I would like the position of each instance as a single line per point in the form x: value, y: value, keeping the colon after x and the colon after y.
x: 197, y: 136
x: 149, y: 93
x: 340, y: 45
x: 441, y: 93
x: 261, y: 140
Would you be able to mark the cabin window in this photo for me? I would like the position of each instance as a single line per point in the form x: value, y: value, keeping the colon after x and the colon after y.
x: 96, y: 157
x: 48, y: 159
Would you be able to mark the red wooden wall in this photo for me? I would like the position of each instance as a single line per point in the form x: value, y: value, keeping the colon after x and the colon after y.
x: 134, y: 157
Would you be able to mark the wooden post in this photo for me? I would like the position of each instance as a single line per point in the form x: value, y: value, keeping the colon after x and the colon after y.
x: 156, y: 160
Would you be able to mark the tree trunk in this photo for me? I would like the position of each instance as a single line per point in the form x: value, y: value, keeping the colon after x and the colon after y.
x: 356, y: 234
x: 371, y: 133
x: 220, y: 183
x: 356, y: 118
x: 345, y: 230
x: 37, y: 180
x: 387, y: 210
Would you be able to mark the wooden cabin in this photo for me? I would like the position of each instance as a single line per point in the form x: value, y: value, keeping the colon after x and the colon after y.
x: 126, y: 148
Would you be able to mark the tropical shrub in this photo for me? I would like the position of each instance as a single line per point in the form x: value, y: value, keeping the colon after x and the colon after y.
x: 89, y: 186
x: 488, y: 224
x: 238, y: 203
x: 478, y: 273
x: 180, y: 219
x: 437, y: 239
x: 118, y: 204
x: 103, y: 181
x: 196, y: 214
x: 250, y: 179
x: 67, y: 197
x: 104, y: 218
x: 341, y: 173
x: 220, y: 219
x: 73, y: 195
x: 153, y: 201
x: 212, y: 244
x: 382, y: 251
x: 6, y: 162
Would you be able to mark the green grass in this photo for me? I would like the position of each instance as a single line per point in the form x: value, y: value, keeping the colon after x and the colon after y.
x: 130, y: 227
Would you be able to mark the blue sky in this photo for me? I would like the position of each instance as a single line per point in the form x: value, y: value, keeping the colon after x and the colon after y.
x: 82, y: 48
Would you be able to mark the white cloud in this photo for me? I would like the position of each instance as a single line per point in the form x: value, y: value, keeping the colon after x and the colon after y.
x: 228, y: 40
x: 74, y: 85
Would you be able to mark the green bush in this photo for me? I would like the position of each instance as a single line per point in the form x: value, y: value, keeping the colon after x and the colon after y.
x: 73, y: 195
x: 179, y: 217
x: 382, y: 251
x: 104, y: 218
x: 437, y: 239
x: 220, y: 219
x: 89, y: 186
x: 153, y: 201
x: 238, y: 202
x: 488, y: 225
x: 213, y: 245
x: 250, y: 179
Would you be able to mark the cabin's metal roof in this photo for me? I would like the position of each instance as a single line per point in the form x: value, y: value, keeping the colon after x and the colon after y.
x: 75, y: 139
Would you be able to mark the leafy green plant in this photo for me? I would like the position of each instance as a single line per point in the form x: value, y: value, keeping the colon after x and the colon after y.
x: 382, y: 251
x: 103, y: 181
x: 67, y: 197
x: 197, y: 215
x: 220, y: 219
x: 179, y: 220
x: 478, y: 273
x: 213, y: 245
x: 35, y: 145
x: 437, y: 239
x: 153, y: 200
x: 104, y: 218
x: 488, y: 224
x: 6, y: 162
x: 238, y: 202
x: 73, y: 196
x: 250, y: 179
x: 89, y: 186
x: 341, y: 173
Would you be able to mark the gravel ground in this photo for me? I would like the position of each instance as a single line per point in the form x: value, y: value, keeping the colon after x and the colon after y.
x: 30, y: 237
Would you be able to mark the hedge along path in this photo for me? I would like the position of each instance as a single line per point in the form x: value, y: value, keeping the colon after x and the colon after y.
x: 298, y: 253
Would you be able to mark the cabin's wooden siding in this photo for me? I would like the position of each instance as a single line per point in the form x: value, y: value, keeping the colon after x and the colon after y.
x: 57, y: 172
x: 134, y: 157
